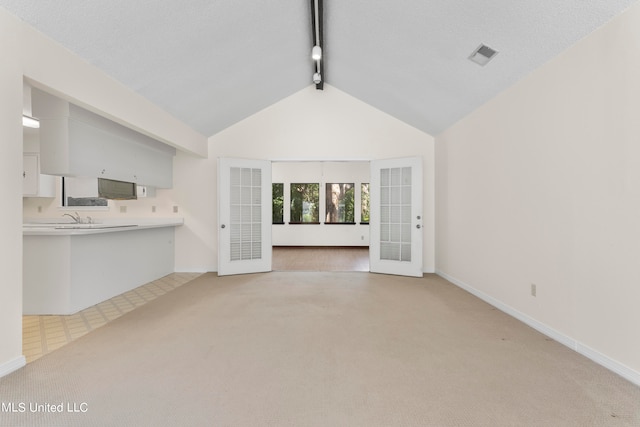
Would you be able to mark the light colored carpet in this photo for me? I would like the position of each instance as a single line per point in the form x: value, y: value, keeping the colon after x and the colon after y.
x: 318, y: 349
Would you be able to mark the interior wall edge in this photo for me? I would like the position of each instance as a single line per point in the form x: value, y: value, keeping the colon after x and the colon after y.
x: 12, y: 365
x: 601, y: 359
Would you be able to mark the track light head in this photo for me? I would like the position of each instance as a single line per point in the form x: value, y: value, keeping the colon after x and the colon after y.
x: 316, y: 53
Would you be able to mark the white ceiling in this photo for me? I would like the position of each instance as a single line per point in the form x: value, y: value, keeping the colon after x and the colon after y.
x: 214, y: 63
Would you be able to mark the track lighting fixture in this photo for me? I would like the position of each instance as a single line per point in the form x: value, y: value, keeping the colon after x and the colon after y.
x: 317, y: 53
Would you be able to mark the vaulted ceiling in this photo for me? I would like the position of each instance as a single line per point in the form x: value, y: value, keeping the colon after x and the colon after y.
x: 214, y: 63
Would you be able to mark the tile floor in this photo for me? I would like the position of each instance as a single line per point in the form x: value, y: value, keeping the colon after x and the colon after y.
x: 44, y: 334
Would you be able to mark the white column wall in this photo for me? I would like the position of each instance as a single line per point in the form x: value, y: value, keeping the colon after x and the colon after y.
x: 11, y: 190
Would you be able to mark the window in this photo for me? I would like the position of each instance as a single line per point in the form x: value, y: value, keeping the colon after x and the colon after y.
x: 117, y: 190
x: 305, y: 201
x: 339, y: 204
x: 81, y: 192
x: 364, y: 203
x: 278, y: 203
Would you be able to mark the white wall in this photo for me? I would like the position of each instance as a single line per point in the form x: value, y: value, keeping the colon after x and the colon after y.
x: 309, y: 125
x: 11, y: 192
x: 322, y: 173
x: 542, y: 185
x: 27, y: 54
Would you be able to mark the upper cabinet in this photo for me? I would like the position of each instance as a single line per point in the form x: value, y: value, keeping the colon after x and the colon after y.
x: 77, y: 142
x: 30, y: 174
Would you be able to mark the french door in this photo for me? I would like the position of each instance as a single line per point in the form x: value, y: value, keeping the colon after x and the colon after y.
x: 395, y: 224
x: 244, y: 216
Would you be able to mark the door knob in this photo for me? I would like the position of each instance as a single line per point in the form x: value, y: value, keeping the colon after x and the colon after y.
x: 222, y: 226
x: 418, y: 226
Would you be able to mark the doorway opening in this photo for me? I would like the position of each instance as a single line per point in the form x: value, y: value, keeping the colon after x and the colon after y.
x: 313, y: 212
x: 320, y: 215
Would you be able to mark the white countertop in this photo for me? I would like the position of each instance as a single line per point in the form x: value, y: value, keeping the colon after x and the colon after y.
x: 54, y: 227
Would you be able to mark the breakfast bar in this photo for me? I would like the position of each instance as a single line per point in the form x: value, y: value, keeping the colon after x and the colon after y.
x: 69, y: 267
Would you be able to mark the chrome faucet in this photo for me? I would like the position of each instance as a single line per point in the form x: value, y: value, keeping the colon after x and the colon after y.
x: 76, y: 218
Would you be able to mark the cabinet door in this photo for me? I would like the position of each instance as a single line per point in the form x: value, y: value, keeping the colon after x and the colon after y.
x: 46, y: 186
x: 30, y: 174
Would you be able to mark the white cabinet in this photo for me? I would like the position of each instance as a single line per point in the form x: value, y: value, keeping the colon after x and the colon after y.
x: 30, y: 173
x: 79, y: 143
x: 145, y: 191
x: 35, y: 184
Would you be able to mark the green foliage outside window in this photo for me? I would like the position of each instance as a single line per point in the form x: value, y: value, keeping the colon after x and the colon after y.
x: 340, y: 204
x: 349, y: 205
x: 365, y: 203
x: 278, y: 203
x: 305, y: 201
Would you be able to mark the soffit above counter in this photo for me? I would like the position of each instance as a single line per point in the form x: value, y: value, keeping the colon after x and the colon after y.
x: 76, y: 142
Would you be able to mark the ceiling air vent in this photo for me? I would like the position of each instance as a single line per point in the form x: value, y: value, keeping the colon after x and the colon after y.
x: 482, y: 55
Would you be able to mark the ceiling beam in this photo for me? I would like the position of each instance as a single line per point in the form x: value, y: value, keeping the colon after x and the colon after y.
x: 318, y: 66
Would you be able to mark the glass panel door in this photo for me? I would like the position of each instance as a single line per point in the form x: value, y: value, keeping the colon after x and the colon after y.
x: 396, y: 218
x: 244, y: 216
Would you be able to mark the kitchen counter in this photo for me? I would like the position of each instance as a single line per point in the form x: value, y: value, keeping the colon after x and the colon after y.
x: 68, y: 267
x: 52, y: 228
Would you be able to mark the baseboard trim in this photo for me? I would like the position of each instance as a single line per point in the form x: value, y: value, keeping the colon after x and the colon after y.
x: 599, y: 358
x: 12, y: 365
x: 193, y: 270
x: 612, y: 365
